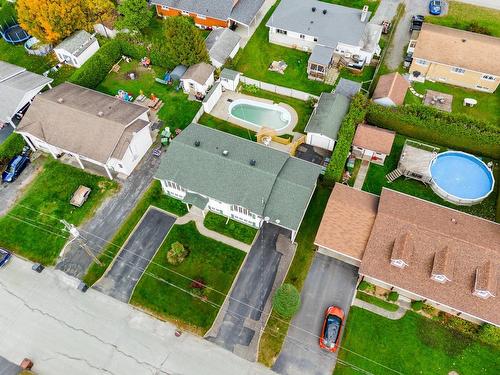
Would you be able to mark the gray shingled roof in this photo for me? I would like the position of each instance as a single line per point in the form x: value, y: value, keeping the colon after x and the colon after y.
x: 245, y: 11
x: 321, y: 55
x: 347, y: 87
x: 199, y: 73
x: 339, y: 24
x: 220, y: 43
x: 229, y: 74
x: 278, y: 186
x: 328, y: 115
x: 220, y: 9
x: 78, y: 42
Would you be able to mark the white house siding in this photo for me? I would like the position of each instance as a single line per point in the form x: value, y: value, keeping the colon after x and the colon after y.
x: 190, y: 85
x: 77, y: 61
x: 339, y: 256
x: 319, y: 140
x: 230, y: 84
x: 292, y: 40
x: 370, y: 155
x: 214, y: 97
x: 140, y: 144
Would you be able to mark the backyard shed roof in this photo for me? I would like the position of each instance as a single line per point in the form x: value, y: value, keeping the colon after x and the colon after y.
x: 373, y: 138
x: 328, y: 115
x: 178, y: 72
x: 321, y: 55
x: 83, y: 121
x: 229, y: 74
x: 199, y: 73
x: 392, y: 86
x: 277, y: 185
x: 220, y: 43
x: 77, y: 43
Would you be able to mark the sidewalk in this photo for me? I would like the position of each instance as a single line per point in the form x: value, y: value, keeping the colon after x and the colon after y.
x: 393, y: 315
x: 360, y: 178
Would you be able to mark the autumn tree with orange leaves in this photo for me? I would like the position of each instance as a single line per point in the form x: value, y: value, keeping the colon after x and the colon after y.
x: 50, y: 21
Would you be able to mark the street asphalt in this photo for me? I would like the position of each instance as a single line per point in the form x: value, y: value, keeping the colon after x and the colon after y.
x: 119, y: 282
x: 329, y: 282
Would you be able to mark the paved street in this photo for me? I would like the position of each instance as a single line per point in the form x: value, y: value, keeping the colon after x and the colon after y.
x: 329, y: 282
x: 45, y: 318
x: 119, y: 282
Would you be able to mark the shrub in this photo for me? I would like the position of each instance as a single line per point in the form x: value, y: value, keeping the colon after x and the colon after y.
x: 198, y: 283
x: 286, y: 300
x: 489, y: 334
x: 177, y: 253
x: 417, y: 305
x: 393, y: 296
x: 363, y: 285
x: 131, y: 46
x: 475, y: 27
x: 12, y: 146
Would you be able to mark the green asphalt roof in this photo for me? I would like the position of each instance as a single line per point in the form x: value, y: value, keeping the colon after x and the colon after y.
x: 328, y: 115
x: 278, y: 186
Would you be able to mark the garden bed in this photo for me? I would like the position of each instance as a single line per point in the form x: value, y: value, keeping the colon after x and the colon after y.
x: 377, y: 301
x: 230, y: 228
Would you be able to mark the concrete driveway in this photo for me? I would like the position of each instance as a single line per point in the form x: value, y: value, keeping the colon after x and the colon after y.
x: 238, y: 328
x: 120, y: 280
x: 329, y: 282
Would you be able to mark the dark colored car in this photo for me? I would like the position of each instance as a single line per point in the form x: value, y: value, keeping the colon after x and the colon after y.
x: 332, y: 327
x: 435, y: 7
x: 416, y: 23
x: 15, y: 167
x: 4, y: 257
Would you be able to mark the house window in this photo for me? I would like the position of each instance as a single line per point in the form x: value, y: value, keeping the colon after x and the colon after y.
x: 488, y: 77
x: 240, y: 210
x: 458, y: 70
x: 302, y: 36
x: 174, y: 186
x: 482, y: 293
x: 422, y: 62
x: 439, y: 278
x: 279, y: 31
x: 315, y: 39
x: 164, y: 7
x: 317, y: 68
x: 184, y: 13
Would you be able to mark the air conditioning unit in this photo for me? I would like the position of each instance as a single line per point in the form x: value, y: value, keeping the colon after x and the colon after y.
x: 347, y: 55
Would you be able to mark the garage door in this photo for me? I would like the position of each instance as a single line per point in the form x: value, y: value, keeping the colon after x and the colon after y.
x: 320, y: 141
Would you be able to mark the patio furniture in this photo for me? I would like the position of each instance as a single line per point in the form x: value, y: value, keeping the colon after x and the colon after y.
x: 469, y: 102
x: 278, y: 66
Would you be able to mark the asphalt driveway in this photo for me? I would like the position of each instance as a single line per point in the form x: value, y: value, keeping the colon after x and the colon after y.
x: 329, y: 282
x: 120, y: 280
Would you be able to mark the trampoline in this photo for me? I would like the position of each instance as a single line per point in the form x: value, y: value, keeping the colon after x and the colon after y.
x: 14, y: 34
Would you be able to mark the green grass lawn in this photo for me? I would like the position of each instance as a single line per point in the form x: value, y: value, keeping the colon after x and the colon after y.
x: 411, y: 345
x: 7, y: 11
x: 177, y: 110
x: 258, y: 54
x: 275, y: 331
x: 468, y: 17
x: 211, y: 261
x: 372, y: 4
x: 230, y: 228
x: 154, y: 196
x: 487, y: 108
x: 375, y: 180
x: 377, y: 301
x: 225, y: 126
x: 354, y: 172
x: 49, y: 194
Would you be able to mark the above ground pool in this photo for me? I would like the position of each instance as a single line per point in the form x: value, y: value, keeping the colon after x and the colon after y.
x: 260, y: 114
x: 460, y: 178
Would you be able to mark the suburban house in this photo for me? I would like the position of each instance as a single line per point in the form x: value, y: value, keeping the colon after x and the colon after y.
x: 335, y: 35
x: 372, y: 143
x: 324, y: 123
x: 237, y: 178
x: 18, y: 87
x: 423, y: 251
x: 222, y: 44
x: 463, y: 58
x: 198, y: 78
x: 77, y: 48
x: 391, y: 90
x: 210, y: 14
x: 88, y: 127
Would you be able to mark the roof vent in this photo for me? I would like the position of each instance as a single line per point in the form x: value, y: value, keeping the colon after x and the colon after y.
x: 324, y: 11
x: 313, y: 9
x: 60, y: 100
x: 464, y: 40
x: 253, y: 162
x: 453, y: 220
x: 197, y: 143
x: 100, y: 113
x: 225, y: 153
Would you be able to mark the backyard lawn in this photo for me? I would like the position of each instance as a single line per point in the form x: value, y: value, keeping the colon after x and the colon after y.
x: 177, y: 110
x: 258, y: 54
x: 212, y: 263
x: 49, y: 194
x: 225, y: 126
x: 411, y: 345
x: 154, y: 196
x: 230, y: 228
x: 375, y: 180
x: 372, y: 4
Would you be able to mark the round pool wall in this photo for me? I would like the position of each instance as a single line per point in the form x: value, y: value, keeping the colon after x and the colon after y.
x: 460, y: 178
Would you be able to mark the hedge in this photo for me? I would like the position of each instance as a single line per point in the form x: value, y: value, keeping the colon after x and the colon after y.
x: 453, y: 130
x: 355, y: 115
x: 12, y: 146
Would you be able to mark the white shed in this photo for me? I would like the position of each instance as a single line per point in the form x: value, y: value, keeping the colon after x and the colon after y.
x: 230, y: 79
x: 198, y: 78
x: 77, y: 48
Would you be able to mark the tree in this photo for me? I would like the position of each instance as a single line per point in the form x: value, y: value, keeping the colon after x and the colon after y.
x: 184, y: 43
x: 136, y: 15
x: 177, y: 253
x: 286, y: 300
x: 53, y: 20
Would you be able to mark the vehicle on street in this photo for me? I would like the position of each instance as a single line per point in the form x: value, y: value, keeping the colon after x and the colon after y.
x: 4, y: 257
x: 332, y: 327
x: 15, y: 167
x: 80, y: 196
x: 435, y: 7
x: 416, y: 23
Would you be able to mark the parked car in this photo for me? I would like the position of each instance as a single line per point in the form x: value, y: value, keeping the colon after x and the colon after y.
x: 435, y: 7
x: 80, y: 196
x: 416, y: 23
x: 4, y: 257
x: 408, y: 60
x: 332, y: 327
x: 15, y: 167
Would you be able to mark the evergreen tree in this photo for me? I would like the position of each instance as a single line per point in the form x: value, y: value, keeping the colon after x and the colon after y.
x: 136, y: 15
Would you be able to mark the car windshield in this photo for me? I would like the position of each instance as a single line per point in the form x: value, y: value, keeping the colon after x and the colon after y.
x: 13, y: 165
x: 3, y: 256
x: 332, y: 329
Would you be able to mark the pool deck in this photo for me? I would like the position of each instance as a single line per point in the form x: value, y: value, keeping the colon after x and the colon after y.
x: 221, y: 110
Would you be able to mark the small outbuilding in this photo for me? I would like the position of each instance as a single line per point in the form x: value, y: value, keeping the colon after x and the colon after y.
x: 77, y: 48
x: 230, y: 79
x: 391, y: 90
x: 198, y: 78
x: 372, y: 143
x: 222, y: 44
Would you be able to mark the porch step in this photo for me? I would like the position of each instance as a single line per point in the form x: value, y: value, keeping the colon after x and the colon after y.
x: 394, y: 175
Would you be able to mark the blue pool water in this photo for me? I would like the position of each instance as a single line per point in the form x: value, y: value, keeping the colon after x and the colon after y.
x: 461, y: 175
x: 260, y: 114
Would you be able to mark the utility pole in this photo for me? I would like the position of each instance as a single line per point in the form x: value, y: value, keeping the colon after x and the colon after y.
x: 80, y: 240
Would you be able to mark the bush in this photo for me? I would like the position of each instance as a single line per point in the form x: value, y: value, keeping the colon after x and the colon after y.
x: 286, y: 301
x: 489, y: 334
x: 417, y: 305
x: 363, y: 285
x: 475, y: 27
x: 393, y: 296
x: 177, y: 254
x: 12, y: 146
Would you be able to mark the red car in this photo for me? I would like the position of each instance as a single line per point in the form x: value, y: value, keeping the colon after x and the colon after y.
x: 332, y: 326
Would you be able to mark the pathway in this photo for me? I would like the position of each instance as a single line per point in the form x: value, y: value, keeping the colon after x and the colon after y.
x: 360, y: 178
x: 393, y: 315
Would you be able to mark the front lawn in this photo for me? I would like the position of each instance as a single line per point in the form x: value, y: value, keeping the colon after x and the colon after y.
x: 258, y: 54
x: 411, y: 345
x: 372, y: 4
x: 29, y: 231
x: 154, y: 196
x: 177, y: 110
x: 377, y: 301
x: 167, y: 294
x: 375, y: 180
x: 230, y: 228
x: 225, y: 126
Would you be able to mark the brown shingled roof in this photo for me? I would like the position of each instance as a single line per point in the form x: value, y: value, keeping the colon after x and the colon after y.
x: 347, y: 221
x: 472, y: 242
x: 402, y: 249
x: 375, y: 139
x: 392, y: 86
x: 443, y: 263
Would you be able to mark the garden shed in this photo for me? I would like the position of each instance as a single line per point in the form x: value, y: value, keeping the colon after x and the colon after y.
x: 77, y: 48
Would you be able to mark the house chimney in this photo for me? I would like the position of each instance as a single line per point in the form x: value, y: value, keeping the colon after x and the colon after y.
x: 364, y: 13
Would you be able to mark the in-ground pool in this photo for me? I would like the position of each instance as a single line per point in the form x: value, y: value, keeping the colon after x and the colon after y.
x: 460, y: 178
x: 260, y: 114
